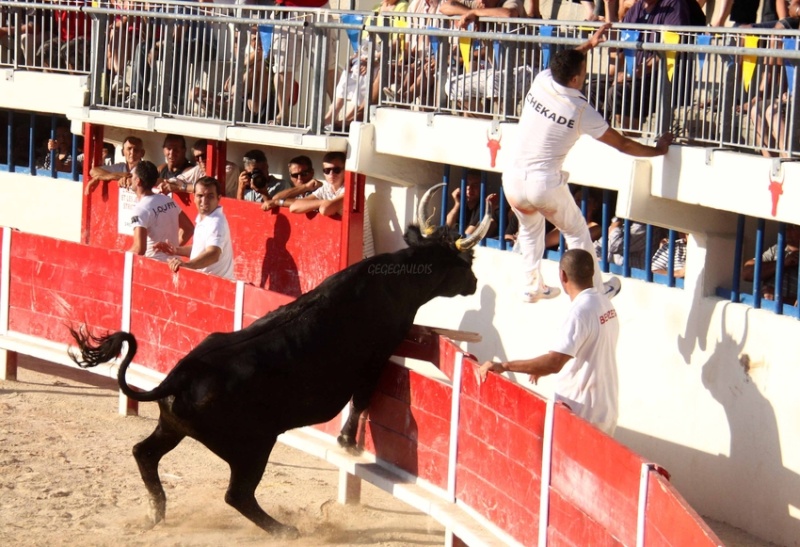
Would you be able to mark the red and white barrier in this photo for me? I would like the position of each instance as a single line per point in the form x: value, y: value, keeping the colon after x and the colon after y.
x: 486, y: 459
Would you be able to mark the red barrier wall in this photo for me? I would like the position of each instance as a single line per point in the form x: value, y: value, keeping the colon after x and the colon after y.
x: 501, y: 426
x: 54, y: 282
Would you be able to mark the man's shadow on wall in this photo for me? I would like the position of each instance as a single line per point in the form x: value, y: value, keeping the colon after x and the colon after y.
x: 278, y: 269
x: 476, y: 321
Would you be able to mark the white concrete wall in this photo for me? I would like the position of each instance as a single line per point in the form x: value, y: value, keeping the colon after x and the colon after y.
x: 41, y: 205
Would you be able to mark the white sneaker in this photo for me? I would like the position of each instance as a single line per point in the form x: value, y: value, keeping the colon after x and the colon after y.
x: 612, y: 287
x: 546, y: 293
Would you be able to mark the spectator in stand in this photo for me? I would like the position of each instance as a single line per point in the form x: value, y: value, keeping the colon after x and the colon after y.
x: 175, y: 162
x: 255, y: 182
x: 301, y: 173
x: 132, y: 151
x: 630, y: 103
x: 328, y: 199
x: 470, y: 10
x: 211, y: 250
x: 416, y: 67
x: 62, y: 146
x: 636, y: 244
x: 745, y: 12
x: 555, y: 114
x: 472, y: 203
x: 156, y: 219
x: 769, y: 266
x: 660, y: 262
x: 288, y: 44
x: 186, y: 180
x: 589, y: 384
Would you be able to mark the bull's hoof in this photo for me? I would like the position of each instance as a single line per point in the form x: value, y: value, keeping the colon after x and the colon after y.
x: 349, y: 443
x: 158, y: 510
x: 282, y: 531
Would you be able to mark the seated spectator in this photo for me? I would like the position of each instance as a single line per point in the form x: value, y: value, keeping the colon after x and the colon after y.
x: 472, y: 202
x: 175, y: 161
x: 660, y: 262
x: 637, y: 243
x: 412, y: 70
x: 255, y: 182
x: 328, y: 199
x: 769, y: 264
x: 634, y: 95
x: 301, y: 173
x: 186, y: 180
x: 132, y: 151
x: 156, y: 219
x: 62, y: 146
x: 211, y: 250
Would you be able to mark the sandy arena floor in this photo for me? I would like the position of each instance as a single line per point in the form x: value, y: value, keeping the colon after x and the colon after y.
x: 67, y: 477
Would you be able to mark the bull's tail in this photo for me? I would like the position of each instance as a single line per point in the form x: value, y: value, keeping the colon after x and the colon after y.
x: 96, y: 350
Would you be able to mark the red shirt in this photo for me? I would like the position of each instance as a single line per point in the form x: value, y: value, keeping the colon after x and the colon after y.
x: 303, y: 3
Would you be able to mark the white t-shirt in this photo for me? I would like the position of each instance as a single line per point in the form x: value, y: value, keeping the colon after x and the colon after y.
x: 552, y: 119
x: 588, y: 383
x: 327, y: 191
x: 159, y: 215
x: 213, y: 231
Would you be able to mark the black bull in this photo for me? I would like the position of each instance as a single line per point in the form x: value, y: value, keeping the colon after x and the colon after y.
x: 299, y: 365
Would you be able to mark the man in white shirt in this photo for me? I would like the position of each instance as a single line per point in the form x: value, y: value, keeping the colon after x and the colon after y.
x: 156, y: 218
x: 329, y: 198
x: 584, y: 356
x: 554, y: 116
x: 211, y: 250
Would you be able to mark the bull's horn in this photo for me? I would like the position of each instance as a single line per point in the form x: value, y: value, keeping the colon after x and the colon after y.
x: 424, y: 221
x: 467, y: 243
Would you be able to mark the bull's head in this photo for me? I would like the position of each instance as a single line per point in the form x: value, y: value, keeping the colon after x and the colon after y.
x: 464, y: 243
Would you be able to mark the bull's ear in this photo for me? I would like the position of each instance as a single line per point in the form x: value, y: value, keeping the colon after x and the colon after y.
x: 413, y: 236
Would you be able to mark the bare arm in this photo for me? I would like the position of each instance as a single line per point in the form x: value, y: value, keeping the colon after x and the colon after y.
x: 209, y: 256
x: 543, y: 365
x: 185, y: 229
x: 595, y: 39
x: 327, y: 207
x: 634, y: 148
x: 288, y: 196
x: 139, y: 241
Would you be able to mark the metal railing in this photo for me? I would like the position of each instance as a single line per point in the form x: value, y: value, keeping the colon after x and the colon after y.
x: 316, y: 71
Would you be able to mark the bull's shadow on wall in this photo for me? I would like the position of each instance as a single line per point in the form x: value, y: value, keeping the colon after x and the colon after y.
x: 278, y: 269
x: 391, y: 426
x: 754, y: 460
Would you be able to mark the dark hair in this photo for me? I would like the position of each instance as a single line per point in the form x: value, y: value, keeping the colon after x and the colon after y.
x: 473, y: 173
x: 147, y: 173
x: 305, y: 161
x: 256, y: 156
x: 566, y: 64
x: 208, y: 182
x: 200, y: 145
x: 172, y: 137
x: 330, y: 157
x: 110, y: 149
x: 133, y: 140
x: 578, y: 264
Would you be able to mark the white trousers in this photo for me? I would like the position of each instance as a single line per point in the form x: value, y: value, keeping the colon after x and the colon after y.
x: 534, y: 201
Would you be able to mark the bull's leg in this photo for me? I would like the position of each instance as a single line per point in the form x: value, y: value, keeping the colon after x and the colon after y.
x: 246, y: 472
x: 348, y: 437
x: 148, y: 453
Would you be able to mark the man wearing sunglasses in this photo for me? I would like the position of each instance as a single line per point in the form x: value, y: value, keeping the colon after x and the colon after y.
x: 301, y: 174
x: 329, y: 198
